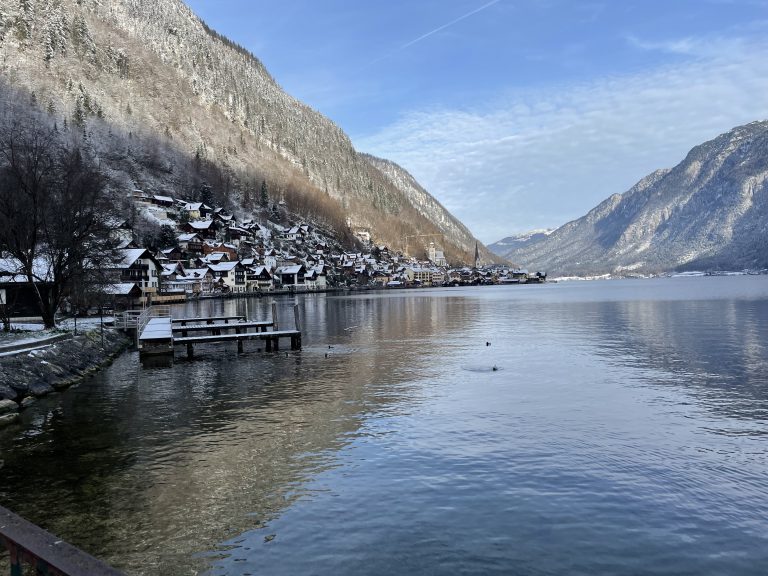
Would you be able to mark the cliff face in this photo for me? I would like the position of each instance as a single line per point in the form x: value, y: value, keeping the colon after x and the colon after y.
x: 153, y: 70
x: 446, y: 224
x: 709, y: 211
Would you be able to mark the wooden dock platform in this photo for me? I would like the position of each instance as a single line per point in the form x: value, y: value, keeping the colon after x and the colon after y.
x: 207, y: 319
x: 159, y: 333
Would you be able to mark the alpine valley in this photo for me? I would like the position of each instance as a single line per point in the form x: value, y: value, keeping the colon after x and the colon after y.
x: 170, y: 105
x: 710, y: 212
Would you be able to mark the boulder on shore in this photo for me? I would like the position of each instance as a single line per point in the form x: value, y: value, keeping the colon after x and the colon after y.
x: 7, y: 406
x: 7, y: 393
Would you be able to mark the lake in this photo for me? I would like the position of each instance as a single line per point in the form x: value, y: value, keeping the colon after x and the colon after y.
x: 607, y: 427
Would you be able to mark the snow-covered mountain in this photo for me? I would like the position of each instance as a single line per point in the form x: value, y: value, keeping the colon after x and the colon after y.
x: 188, y: 97
x: 517, y: 241
x: 708, y: 212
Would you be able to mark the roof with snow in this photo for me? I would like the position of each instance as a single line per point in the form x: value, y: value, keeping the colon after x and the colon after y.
x: 201, y: 224
x: 128, y: 256
x: 195, y: 273
x: 11, y: 270
x: 223, y: 266
x: 122, y: 289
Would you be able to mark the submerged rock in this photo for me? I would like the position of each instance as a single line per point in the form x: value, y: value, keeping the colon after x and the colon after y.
x: 40, y: 388
x: 6, y: 419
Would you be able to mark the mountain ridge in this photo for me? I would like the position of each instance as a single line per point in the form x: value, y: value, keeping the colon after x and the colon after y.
x: 709, y: 211
x: 157, y: 71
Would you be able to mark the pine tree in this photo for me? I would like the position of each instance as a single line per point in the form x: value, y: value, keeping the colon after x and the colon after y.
x: 78, y: 116
x: 206, y: 194
x: 264, y: 195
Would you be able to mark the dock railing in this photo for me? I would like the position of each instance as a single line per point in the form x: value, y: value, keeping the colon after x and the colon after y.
x: 30, y: 545
x: 127, y: 319
x: 149, y: 313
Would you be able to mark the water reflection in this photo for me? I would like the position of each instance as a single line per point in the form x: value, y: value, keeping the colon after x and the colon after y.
x: 147, y: 465
x: 715, y: 350
x: 389, y: 444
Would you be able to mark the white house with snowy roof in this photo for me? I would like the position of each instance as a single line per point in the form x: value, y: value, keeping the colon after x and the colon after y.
x: 230, y: 276
x: 138, y: 265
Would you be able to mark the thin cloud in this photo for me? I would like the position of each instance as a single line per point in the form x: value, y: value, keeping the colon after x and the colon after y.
x: 535, y: 160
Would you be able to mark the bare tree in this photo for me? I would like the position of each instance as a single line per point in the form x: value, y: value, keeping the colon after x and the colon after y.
x: 54, y: 212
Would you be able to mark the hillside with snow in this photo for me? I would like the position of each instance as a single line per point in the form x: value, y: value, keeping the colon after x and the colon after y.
x: 710, y: 212
x: 186, y: 107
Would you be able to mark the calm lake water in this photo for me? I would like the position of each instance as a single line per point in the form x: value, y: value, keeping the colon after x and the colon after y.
x: 624, y: 430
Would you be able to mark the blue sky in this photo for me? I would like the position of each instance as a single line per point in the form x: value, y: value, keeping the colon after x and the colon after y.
x: 516, y: 114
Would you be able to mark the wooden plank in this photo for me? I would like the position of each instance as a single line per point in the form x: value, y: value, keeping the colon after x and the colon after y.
x: 229, y: 337
x: 207, y: 319
x: 32, y: 544
x: 236, y: 325
x: 157, y: 329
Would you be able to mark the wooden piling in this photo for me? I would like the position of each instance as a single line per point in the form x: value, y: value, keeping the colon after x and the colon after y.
x: 296, y: 319
x: 190, y: 350
x: 274, y: 316
x: 240, y: 346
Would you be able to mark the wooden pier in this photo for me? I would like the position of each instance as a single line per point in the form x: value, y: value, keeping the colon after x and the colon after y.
x: 159, y: 333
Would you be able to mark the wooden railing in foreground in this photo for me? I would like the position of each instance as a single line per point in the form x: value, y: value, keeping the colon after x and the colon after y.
x: 30, y: 545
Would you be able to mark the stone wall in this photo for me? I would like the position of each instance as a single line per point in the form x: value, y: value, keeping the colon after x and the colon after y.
x: 30, y: 375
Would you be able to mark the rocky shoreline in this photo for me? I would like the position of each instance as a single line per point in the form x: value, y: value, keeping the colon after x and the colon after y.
x: 43, y: 371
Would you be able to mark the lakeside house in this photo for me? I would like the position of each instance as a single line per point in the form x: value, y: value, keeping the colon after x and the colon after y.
x: 292, y: 276
x: 229, y: 276
x: 138, y: 266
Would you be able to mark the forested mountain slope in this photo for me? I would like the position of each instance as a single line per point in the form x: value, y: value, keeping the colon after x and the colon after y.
x: 198, y: 108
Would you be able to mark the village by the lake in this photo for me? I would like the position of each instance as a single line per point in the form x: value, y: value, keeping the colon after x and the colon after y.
x: 468, y: 287
x: 213, y: 253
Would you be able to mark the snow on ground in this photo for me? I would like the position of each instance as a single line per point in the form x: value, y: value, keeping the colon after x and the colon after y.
x: 28, y: 332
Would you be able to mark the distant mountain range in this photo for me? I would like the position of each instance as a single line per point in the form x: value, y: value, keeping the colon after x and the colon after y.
x: 710, y: 212
x: 518, y: 241
x: 171, y: 105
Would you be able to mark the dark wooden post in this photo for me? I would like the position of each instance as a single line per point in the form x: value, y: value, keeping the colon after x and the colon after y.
x: 190, y: 350
x: 269, y: 344
x: 274, y: 316
x: 296, y: 319
x: 240, y: 345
